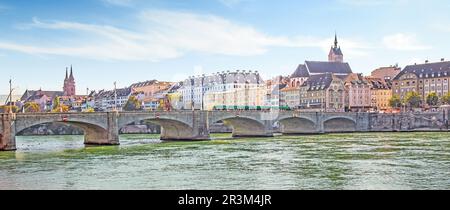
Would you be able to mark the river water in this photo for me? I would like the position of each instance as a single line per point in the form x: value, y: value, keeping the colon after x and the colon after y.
x: 335, y: 161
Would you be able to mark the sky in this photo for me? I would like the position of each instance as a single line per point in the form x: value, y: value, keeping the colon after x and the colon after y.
x: 169, y: 40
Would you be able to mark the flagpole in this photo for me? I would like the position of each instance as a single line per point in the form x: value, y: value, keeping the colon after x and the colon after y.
x: 115, y: 96
x: 10, y: 96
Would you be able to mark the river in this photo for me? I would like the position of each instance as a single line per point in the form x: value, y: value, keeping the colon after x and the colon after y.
x: 335, y: 161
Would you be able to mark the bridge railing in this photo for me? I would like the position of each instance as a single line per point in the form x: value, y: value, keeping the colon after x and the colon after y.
x: 177, y: 111
x: 219, y: 111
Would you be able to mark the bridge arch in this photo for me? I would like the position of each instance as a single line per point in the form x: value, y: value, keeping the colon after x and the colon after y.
x: 339, y: 124
x: 297, y: 125
x: 171, y: 129
x: 246, y: 126
x: 94, y: 133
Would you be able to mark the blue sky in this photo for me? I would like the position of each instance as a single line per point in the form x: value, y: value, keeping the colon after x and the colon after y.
x: 135, y: 40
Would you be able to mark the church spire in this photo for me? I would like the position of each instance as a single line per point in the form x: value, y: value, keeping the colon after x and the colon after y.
x: 71, y: 74
x: 335, y: 54
x: 69, y: 83
x: 335, y: 40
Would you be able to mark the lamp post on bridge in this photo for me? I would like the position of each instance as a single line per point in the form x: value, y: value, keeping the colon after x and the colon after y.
x: 86, y: 99
x: 115, y: 97
x: 10, y: 96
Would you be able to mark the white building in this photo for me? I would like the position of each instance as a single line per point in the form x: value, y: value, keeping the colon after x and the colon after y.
x: 194, y: 89
x: 106, y: 100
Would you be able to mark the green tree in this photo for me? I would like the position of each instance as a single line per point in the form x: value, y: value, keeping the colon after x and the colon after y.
x: 432, y: 99
x: 132, y: 104
x: 413, y: 99
x: 31, y: 107
x: 56, y: 104
x: 446, y: 99
x: 58, y: 107
x: 395, y: 102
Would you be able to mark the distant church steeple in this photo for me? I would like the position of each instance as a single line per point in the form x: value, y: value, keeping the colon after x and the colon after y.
x: 71, y: 74
x: 335, y: 41
x: 69, y: 83
x: 336, y: 54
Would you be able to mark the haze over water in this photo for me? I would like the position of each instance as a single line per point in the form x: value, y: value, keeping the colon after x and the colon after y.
x: 338, y: 161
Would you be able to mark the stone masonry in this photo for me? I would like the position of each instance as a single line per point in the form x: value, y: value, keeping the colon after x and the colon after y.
x: 103, y: 128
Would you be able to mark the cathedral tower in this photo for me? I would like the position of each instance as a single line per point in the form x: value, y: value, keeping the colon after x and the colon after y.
x: 69, y: 83
x: 335, y: 54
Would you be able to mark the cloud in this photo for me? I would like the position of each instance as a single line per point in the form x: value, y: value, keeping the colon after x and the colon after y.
x: 209, y: 34
x: 441, y: 27
x: 404, y: 42
x: 160, y: 35
x: 353, y: 48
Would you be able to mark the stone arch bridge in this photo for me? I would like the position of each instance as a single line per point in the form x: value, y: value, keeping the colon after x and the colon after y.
x: 103, y: 128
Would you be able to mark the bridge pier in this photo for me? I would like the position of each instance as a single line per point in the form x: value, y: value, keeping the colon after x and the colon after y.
x: 98, y: 136
x: 200, y: 126
x: 175, y: 131
x: 7, y: 133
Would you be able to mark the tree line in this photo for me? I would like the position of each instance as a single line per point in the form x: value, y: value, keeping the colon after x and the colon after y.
x: 414, y: 100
